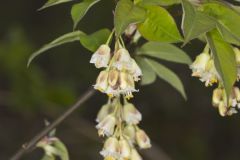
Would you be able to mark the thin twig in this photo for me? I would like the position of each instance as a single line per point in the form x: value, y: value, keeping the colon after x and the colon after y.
x: 27, y: 146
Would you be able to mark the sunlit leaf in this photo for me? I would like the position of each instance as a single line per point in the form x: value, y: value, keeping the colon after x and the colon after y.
x: 149, y: 76
x: 159, y: 26
x: 164, y: 51
x: 167, y: 75
x: 160, y: 2
x: 224, y: 59
x: 80, y: 9
x: 126, y: 13
x: 53, y: 3
x: 195, y: 23
x: 67, y: 38
x: 226, y: 16
x: 93, y: 41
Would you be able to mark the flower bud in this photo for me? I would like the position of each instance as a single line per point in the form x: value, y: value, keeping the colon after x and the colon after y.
x: 142, y: 139
x: 104, y: 111
x: 107, y: 126
x: 130, y: 30
x: 110, y: 149
x: 200, y: 64
x: 237, y: 55
x: 135, y: 155
x: 217, y: 97
x: 222, y: 108
x: 131, y: 114
x: 124, y: 149
x: 102, y: 81
x: 130, y: 132
x: 101, y: 57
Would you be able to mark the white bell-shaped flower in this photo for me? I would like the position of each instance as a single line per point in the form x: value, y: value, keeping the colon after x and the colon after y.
x: 131, y: 114
x: 130, y: 132
x: 102, y: 81
x: 200, y: 63
x: 107, y: 126
x: 104, y: 111
x: 142, y: 139
x: 127, y: 84
x: 111, y: 148
x: 135, y: 70
x: 124, y: 149
x: 210, y: 75
x: 122, y: 59
x: 101, y: 57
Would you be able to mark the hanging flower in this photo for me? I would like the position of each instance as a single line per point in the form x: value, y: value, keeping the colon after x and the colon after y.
x: 130, y: 133
x: 111, y: 148
x: 124, y: 149
x: 104, y: 111
x: 199, y: 65
x: 127, y: 85
x: 122, y: 59
x: 135, y: 70
x: 102, y: 81
x: 106, y: 126
x: 142, y: 139
x: 101, y: 57
x: 131, y: 114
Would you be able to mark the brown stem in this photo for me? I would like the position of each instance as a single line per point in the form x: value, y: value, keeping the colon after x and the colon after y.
x: 28, y: 146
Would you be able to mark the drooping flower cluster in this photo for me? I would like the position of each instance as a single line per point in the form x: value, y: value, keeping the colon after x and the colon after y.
x: 204, y: 68
x: 119, y: 123
x: 121, y: 71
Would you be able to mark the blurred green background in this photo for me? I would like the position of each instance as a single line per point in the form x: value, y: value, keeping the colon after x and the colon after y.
x: 181, y: 130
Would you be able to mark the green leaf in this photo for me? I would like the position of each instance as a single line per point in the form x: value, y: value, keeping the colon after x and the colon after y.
x: 80, y: 9
x: 195, y: 23
x: 149, y: 76
x: 62, y: 150
x: 224, y: 59
x: 228, y: 36
x: 167, y: 75
x: 47, y: 157
x: 126, y: 13
x: 53, y: 3
x: 92, y: 42
x: 164, y: 51
x: 159, y: 26
x: 160, y: 2
x: 67, y: 38
x: 226, y: 16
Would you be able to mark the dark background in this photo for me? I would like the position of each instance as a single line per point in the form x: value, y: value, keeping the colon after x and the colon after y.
x: 182, y: 130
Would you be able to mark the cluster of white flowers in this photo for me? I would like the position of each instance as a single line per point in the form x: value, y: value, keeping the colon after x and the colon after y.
x: 226, y: 107
x: 119, y: 124
x: 121, y: 71
x: 204, y: 68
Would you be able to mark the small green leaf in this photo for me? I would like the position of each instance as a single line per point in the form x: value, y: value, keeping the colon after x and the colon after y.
x: 92, y: 42
x: 149, y: 76
x: 80, y: 9
x: 160, y: 2
x: 53, y: 3
x: 67, y: 38
x: 164, y: 51
x: 195, y: 23
x: 224, y: 59
x: 167, y: 75
x: 126, y: 13
x: 159, y: 26
x: 62, y: 150
x: 226, y: 16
